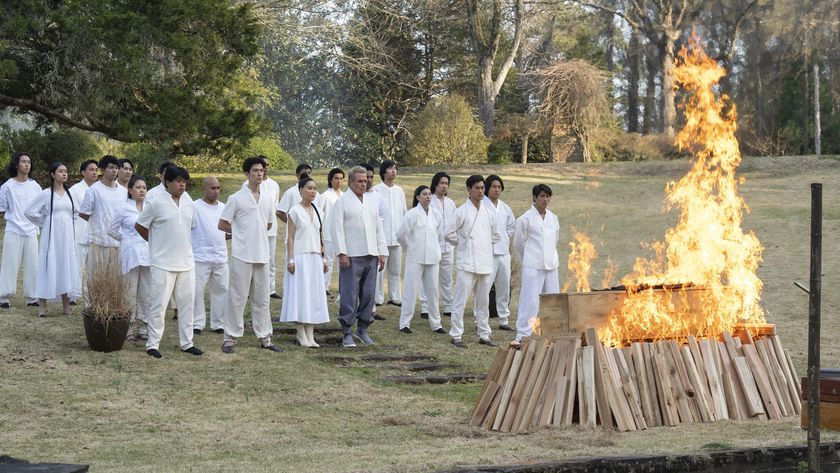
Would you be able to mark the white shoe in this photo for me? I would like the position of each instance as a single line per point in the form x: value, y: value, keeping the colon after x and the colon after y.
x: 310, y: 335
x: 301, y: 337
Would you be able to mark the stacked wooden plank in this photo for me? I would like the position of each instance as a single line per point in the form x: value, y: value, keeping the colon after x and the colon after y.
x: 561, y: 380
x: 829, y: 400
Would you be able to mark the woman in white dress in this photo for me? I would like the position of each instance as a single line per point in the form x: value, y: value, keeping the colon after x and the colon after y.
x: 304, y: 298
x: 134, y: 257
x: 421, y: 234
x: 53, y: 212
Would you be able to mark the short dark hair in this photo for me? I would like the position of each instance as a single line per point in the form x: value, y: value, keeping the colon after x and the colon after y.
x: 174, y: 172
x: 108, y: 159
x: 473, y: 180
x: 304, y: 180
x: 367, y: 167
x: 417, y: 192
x: 13, y: 163
x: 126, y: 160
x: 250, y: 162
x: 87, y: 163
x: 385, y: 166
x: 133, y: 181
x: 436, y: 180
x: 332, y: 174
x: 164, y: 165
x: 264, y: 160
x: 540, y: 188
x: 300, y: 167
x: 489, y: 181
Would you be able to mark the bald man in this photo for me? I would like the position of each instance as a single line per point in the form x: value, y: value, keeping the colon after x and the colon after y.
x: 211, y: 259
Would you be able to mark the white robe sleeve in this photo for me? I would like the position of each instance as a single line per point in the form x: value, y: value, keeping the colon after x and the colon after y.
x: 37, y: 211
x: 519, y: 237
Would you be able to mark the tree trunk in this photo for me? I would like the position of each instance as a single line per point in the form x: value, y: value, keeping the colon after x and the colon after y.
x: 817, y: 130
x: 565, y: 146
x: 805, y: 106
x: 609, y: 33
x: 486, y: 95
x: 669, y: 110
x: 633, y: 83
x: 649, y: 113
x: 525, y: 148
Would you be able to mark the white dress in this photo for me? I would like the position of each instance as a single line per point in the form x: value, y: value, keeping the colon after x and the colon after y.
x: 304, y: 298
x: 57, y: 249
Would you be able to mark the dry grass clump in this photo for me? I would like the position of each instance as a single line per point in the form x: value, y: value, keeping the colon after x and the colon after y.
x: 105, y: 296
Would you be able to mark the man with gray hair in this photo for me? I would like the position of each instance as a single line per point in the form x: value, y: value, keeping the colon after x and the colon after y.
x: 359, y: 242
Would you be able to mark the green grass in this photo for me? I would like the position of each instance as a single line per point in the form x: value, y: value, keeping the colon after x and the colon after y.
x: 255, y: 411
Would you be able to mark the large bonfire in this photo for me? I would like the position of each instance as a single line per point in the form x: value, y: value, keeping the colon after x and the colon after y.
x: 707, y: 248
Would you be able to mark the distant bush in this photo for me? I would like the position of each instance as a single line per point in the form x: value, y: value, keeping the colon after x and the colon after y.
x: 446, y: 132
x: 68, y: 146
x: 146, y: 157
x: 499, y: 152
x: 268, y: 146
x: 616, y: 145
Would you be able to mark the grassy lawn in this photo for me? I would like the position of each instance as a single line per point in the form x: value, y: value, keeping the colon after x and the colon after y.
x: 304, y: 410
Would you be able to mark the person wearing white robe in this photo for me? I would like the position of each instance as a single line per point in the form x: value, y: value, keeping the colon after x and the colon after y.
x: 125, y: 173
x: 474, y: 232
x: 89, y: 171
x: 166, y: 223
x: 246, y: 217
x: 535, y: 242
x: 421, y: 234
x: 53, y: 212
x: 271, y: 189
x: 506, y: 223
x: 160, y: 188
x: 20, y: 240
x: 393, y: 198
x: 211, y: 258
x: 303, y: 301
x: 98, y: 208
x: 446, y: 207
x: 325, y: 201
x: 134, y: 258
x: 375, y: 200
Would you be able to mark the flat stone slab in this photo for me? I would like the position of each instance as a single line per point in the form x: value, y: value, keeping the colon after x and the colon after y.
x: 455, y: 378
x: 761, y: 460
x: 378, y: 357
x: 14, y: 465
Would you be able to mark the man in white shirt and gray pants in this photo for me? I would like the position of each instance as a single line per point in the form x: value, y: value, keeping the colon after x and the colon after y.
x: 474, y: 233
x: 360, y: 245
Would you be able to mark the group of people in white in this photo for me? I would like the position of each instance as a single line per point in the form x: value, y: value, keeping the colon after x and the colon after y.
x: 169, y: 248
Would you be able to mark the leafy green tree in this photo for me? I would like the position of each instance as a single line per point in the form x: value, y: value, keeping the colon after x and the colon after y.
x: 71, y: 147
x: 446, y: 132
x: 136, y: 71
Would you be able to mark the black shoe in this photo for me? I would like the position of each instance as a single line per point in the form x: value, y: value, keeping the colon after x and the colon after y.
x: 175, y: 316
x: 459, y: 343
x: 424, y: 316
x: 154, y: 353
x: 196, y: 331
x: 398, y: 304
x: 378, y: 304
x: 328, y: 294
x: 272, y: 347
x: 193, y: 351
x: 227, y: 346
x: 440, y: 330
x: 406, y: 330
x: 488, y: 342
x: 505, y: 327
x: 447, y: 314
x: 219, y: 330
x: 72, y: 302
x: 274, y: 295
x: 378, y: 317
x: 5, y: 305
x: 32, y: 304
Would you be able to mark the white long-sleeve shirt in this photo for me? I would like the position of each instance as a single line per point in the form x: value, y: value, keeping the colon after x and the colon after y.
x: 269, y: 187
x: 446, y: 207
x: 77, y: 191
x: 393, y: 199
x: 356, y: 227
x: 474, y: 233
x: 421, y: 235
x: 101, y: 203
x: 134, y: 250
x: 505, y: 222
x: 535, y: 240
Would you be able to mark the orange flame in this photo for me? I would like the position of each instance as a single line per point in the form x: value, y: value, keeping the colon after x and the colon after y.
x: 534, y: 323
x: 707, y: 247
x: 580, y: 262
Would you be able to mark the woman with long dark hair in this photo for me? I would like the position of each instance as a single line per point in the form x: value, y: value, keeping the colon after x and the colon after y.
x: 134, y: 257
x: 53, y: 211
x: 20, y: 240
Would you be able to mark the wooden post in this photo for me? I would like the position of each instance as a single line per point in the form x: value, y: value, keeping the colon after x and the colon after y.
x: 817, y: 125
x: 814, y: 331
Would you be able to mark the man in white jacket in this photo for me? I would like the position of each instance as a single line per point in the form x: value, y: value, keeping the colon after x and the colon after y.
x: 393, y: 198
x: 535, y: 242
x: 506, y: 223
x: 474, y: 232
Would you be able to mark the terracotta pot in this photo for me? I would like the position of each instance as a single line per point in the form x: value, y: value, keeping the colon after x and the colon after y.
x: 105, y: 337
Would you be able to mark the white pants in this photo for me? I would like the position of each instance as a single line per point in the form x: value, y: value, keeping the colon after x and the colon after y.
x: 138, y: 288
x: 477, y: 285
x: 417, y: 274
x: 393, y: 264
x: 217, y: 275
x: 17, y: 248
x: 501, y: 279
x: 272, y: 264
x: 247, y: 280
x: 444, y: 283
x: 534, y: 283
x: 329, y: 273
x: 81, y: 260
x: 180, y: 286
x: 103, y: 257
